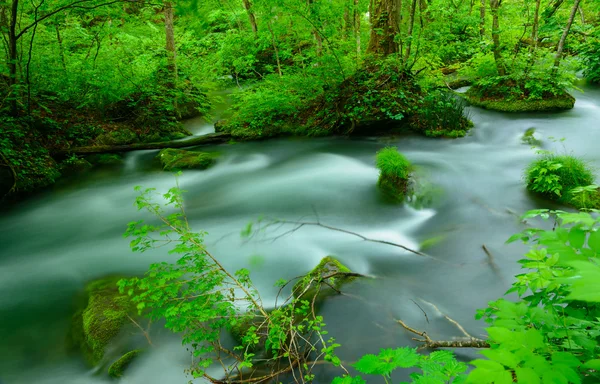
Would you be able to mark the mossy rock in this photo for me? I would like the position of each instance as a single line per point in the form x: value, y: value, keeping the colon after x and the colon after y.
x: 220, y: 125
x: 74, y: 166
x: 319, y: 283
x: 103, y: 314
x: 105, y: 159
x: 117, y: 368
x: 172, y: 159
x: 119, y: 137
x: 556, y: 103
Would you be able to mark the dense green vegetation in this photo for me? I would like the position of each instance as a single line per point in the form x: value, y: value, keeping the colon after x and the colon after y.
x: 563, y: 178
x: 301, y: 68
x: 100, y: 75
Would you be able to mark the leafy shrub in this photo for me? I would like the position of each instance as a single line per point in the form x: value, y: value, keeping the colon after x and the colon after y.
x: 438, y: 368
x: 394, y: 171
x: 559, y: 177
x: 442, y: 114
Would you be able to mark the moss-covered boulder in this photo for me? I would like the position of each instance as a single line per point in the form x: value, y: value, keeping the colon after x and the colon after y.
x: 500, y: 102
x: 117, y: 368
x: 118, y: 137
x: 325, y: 279
x: 103, y: 312
x: 172, y: 159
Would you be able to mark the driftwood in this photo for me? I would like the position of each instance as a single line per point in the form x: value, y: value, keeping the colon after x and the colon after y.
x: 211, y: 138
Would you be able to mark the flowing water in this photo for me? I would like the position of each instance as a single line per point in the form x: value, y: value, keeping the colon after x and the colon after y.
x: 52, y: 244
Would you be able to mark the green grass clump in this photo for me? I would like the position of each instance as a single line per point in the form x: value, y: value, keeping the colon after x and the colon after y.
x: 563, y: 178
x: 394, y: 171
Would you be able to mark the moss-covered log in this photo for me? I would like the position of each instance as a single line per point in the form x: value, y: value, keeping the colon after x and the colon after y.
x: 211, y: 138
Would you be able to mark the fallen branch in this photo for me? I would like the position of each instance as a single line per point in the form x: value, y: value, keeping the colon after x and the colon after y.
x: 211, y: 138
x: 300, y: 224
x: 428, y: 343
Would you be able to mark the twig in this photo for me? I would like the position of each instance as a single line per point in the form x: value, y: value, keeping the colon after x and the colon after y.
x: 491, y: 260
x: 424, y: 313
x: 146, y: 335
x: 300, y: 224
x: 456, y: 323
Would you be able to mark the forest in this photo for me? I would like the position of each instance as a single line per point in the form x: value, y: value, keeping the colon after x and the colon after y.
x: 326, y: 191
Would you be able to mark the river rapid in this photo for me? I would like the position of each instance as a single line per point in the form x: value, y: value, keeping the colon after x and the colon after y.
x: 53, y: 243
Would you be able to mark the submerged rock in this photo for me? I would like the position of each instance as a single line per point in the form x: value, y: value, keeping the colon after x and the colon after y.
x: 172, y: 159
x: 117, y: 368
x: 102, y: 315
x: 325, y: 279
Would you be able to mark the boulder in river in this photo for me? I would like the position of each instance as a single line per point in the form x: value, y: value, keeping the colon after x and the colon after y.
x: 325, y: 279
x: 172, y: 159
x: 102, y: 314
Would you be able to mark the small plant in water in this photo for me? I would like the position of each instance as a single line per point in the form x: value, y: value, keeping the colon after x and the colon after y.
x: 394, y: 172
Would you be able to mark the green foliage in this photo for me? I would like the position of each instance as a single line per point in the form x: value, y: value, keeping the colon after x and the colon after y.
x: 442, y: 114
x: 199, y: 298
x: 550, y: 335
x: 591, y: 58
x: 564, y: 178
x: 439, y: 367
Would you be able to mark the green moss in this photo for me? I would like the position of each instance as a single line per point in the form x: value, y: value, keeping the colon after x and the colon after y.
x: 394, y: 172
x: 555, y: 103
x: 317, y: 283
x: 119, y: 137
x: 104, y: 312
x: 172, y: 159
x: 117, y: 368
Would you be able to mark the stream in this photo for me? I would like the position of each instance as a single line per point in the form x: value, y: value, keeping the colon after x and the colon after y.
x: 55, y: 242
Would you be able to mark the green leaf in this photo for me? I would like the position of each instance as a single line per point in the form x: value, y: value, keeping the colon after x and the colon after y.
x: 527, y: 376
x: 577, y: 237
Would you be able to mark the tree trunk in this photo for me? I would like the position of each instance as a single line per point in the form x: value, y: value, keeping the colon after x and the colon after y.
x: 423, y: 8
x: 534, y: 35
x: 61, y: 49
x: 170, y: 44
x: 563, y: 38
x: 482, y: 19
x: 551, y: 11
x: 385, y: 23
x: 409, y: 33
x: 13, y: 57
x: 274, y: 42
x: 494, y: 6
x: 251, y: 17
